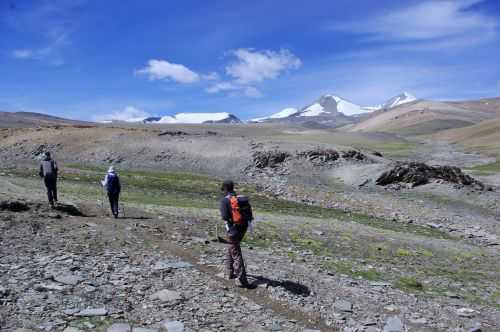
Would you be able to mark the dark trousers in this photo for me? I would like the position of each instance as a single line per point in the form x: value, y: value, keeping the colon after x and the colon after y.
x: 51, y: 185
x: 234, y: 260
x: 113, y: 202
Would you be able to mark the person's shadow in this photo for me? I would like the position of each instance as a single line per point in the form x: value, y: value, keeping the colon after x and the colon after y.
x: 290, y: 286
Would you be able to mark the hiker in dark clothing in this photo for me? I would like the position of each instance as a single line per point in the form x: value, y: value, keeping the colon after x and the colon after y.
x: 112, y: 184
x: 48, y: 171
x: 237, y: 215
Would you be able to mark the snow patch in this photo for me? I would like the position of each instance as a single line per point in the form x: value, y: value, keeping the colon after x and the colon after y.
x: 284, y: 113
x: 194, y: 118
x: 401, y: 99
x: 314, y: 110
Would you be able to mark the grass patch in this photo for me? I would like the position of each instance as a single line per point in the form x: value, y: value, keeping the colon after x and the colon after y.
x: 342, y: 267
x: 199, y: 191
x: 371, y: 274
x: 425, y: 252
x: 263, y: 237
x: 408, y: 284
x: 487, y: 169
x: 400, y: 252
x: 392, y: 148
x: 305, y: 243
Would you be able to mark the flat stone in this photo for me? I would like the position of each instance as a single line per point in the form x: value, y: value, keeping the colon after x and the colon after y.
x: 119, y: 327
x: 466, y: 312
x: 49, y: 287
x: 418, y: 321
x: 166, y: 295
x: 70, y: 312
x: 393, y: 324
x: 343, y: 306
x: 144, y: 329
x: 92, y: 312
x: 309, y: 330
x: 173, y: 326
x: 68, y: 279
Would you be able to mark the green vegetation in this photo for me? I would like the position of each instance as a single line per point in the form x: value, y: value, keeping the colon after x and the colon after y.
x: 197, y: 191
x: 487, y: 169
x: 394, y: 148
x: 400, y: 252
x: 408, y: 284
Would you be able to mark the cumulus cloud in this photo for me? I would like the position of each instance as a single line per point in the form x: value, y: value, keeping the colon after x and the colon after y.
x: 249, y: 68
x: 164, y: 70
x: 129, y: 114
x: 429, y: 20
x: 253, y: 66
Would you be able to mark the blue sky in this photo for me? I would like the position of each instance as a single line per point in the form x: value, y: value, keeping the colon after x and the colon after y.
x: 91, y: 59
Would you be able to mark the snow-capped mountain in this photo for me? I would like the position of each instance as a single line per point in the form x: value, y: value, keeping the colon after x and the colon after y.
x: 331, y: 106
x: 284, y: 113
x: 185, y: 118
x: 194, y: 118
x: 401, y: 99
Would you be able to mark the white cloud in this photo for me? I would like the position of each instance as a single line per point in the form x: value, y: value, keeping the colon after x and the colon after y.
x: 222, y: 86
x: 164, y: 70
x: 250, y: 68
x: 253, y: 66
x: 129, y: 114
x: 248, y: 91
x: 429, y: 20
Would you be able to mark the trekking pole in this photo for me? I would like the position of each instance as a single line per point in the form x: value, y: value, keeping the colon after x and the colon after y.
x: 103, y: 198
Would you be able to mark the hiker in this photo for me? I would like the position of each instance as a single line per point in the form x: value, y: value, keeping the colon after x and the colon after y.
x: 48, y: 171
x: 237, y: 214
x: 112, y: 184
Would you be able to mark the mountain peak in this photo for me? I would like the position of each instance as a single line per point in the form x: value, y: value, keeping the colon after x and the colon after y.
x: 400, y: 99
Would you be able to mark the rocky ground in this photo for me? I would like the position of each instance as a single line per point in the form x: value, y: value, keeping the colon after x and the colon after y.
x: 159, y: 268
x: 331, y: 251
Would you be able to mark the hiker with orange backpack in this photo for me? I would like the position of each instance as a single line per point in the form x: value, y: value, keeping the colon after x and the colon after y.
x: 237, y: 214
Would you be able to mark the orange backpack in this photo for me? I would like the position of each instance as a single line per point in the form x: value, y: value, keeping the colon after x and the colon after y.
x: 235, y: 211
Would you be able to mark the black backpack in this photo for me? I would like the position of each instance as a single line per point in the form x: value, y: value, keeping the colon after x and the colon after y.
x: 113, y: 184
x: 245, y: 208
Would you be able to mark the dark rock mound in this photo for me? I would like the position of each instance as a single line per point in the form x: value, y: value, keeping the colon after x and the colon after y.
x: 272, y: 159
x: 417, y: 174
x: 14, y: 206
x: 319, y: 156
x: 173, y: 133
x: 353, y: 154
